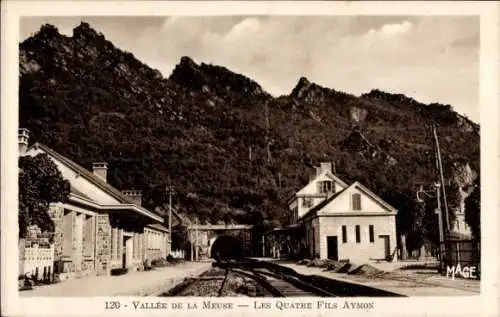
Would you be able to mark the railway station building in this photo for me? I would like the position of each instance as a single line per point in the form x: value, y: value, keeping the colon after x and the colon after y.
x: 98, y: 229
x: 330, y: 219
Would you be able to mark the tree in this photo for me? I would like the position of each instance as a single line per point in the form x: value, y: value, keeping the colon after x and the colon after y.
x: 473, y: 211
x: 40, y: 183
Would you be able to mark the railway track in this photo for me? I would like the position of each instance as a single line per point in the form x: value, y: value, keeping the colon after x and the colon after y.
x: 254, y: 278
x: 278, y: 286
x: 259, y: 280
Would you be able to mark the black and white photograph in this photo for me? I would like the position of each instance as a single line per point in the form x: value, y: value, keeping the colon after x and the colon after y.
x: 250, y: 156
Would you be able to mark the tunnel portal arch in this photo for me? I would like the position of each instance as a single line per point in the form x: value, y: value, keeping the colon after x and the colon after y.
x: 226, y: 246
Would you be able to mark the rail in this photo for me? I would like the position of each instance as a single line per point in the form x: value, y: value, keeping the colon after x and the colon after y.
x: 281, y: 281
x: 259, y: 269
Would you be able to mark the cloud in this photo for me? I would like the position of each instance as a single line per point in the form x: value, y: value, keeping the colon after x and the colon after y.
x: 244, y: 28
x: 395, y: 29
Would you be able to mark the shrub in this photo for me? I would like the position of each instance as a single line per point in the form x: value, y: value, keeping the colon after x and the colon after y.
x: 159, y: 262
x: 303, y: 262
x: 120, y: 271
x: 175, y: 260
x: 147, y: 265
x: 344, y: 269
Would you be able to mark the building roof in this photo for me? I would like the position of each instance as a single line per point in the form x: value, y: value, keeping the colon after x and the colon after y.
x: 159, y: 227
x: 95, y: 180
x: 324, y: 203
x: 292, y: 227
x: 337, y: 194
x: 327, y: 173
x: 75, y: 191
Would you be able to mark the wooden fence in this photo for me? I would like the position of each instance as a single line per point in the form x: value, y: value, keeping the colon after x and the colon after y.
x: 463, y: 253
x: 38, y: 261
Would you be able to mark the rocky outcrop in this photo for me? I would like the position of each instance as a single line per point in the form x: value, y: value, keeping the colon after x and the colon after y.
x: 462, y: 184
x: 356, y: 141
x: 357, y: 114
x: 211, y: 78
x: 465, y: 125
x: 89, y: 100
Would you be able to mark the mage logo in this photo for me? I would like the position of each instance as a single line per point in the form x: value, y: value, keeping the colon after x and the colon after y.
x: 464, y: 272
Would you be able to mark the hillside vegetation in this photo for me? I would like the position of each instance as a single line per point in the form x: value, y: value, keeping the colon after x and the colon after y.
x: 233, y: 152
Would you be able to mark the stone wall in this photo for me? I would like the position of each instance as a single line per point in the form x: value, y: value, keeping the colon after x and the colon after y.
x: 56, y: 212
x: 103, y: 244
x: 119, y: 247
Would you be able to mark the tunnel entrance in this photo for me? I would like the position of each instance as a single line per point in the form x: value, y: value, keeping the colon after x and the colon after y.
x: 226, y: 247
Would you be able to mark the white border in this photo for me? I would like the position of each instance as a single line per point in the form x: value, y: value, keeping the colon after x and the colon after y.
x: 484, y: 305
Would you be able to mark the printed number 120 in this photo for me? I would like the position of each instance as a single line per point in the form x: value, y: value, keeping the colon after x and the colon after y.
x: 112, y: 305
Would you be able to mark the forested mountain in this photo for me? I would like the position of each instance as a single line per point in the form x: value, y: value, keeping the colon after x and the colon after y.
x: 233, y: 152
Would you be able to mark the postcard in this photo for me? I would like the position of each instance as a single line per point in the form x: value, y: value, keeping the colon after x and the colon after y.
x: 250, y: 157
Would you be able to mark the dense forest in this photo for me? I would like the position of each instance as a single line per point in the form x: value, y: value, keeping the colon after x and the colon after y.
x: 233, y: 152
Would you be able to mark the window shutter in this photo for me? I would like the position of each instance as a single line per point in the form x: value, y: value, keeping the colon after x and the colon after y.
x: 356, y: 201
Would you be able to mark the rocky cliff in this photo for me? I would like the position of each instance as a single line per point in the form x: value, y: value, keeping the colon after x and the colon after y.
x: 233, y: 151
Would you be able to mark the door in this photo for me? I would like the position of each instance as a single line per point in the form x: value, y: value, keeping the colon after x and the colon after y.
x: 128, y: 250
x: 386, y: 245
x: 124, y: 252
x: 331, y: 242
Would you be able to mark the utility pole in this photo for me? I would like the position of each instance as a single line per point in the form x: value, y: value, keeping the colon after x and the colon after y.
x: 441, y: 175
x: 196, y: 240
x: 441, y: 229
x: 438, y: 186
x: 192, y: 243
x: 438, y: 211
x: 170, y: 192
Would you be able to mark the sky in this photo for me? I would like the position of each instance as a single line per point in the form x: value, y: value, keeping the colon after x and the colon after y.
x: 429, y: 58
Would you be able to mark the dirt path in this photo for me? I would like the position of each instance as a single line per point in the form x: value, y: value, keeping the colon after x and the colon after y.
x: 131, y: 284
x: 409, y: 283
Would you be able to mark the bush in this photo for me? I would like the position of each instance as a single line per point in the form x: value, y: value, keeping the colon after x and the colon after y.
x: 171, y: 259
x: 147, y: 265
x: 318, y: 263
x: 303, y: 262
x: 120, y: 271
x: 159, y: 262
x: 344, y: 268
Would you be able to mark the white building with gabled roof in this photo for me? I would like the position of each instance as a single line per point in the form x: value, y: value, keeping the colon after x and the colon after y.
x: 343, y: 222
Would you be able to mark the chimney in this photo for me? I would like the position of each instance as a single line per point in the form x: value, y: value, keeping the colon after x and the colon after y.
x: 318, y: 170
x: 325, y: 166
x: 100, y: 169
x: 22, y: 140
x: 133, y: 195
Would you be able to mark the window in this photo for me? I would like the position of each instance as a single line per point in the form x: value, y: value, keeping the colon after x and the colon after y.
x: 307, y: 202
x: 372, y: 234
x: 358, y: 234
x: 356, y: 201
x: 326, y: 187
x: 88, y: 229
x: 294, y: 215
x: 344, y: 234
x: 67, y: 233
